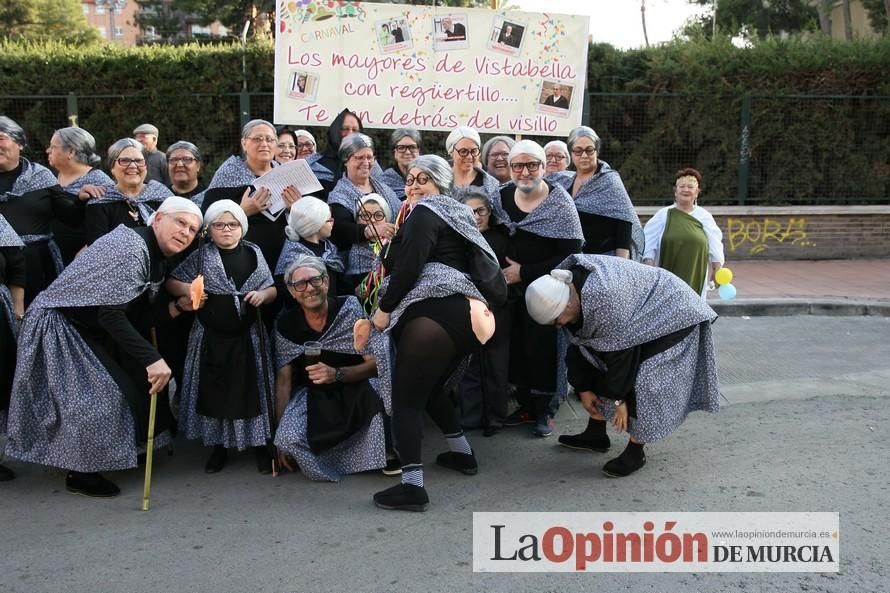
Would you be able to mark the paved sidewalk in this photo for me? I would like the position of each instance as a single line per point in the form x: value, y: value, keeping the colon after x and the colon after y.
x: 826, y: 287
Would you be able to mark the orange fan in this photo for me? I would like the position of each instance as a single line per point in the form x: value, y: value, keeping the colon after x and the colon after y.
x: 196, y: 291
x: 361, y: 333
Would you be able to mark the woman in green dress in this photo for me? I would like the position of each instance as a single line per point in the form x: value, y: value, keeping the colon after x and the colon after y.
x: 683, y: 237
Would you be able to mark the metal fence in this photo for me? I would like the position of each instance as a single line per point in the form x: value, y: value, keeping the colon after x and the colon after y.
x: 752, y: 149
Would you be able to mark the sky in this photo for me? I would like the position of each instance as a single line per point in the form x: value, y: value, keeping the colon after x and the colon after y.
x: 618, y: 21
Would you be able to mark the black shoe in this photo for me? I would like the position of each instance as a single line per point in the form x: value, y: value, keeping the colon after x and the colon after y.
x: 393, y: 467
x: 625, y: 464
x: 217, y: 460
x: 263, y: 460
x: 403, y: 497
x: 91, y: 484
x: 583, y: 443
x: 520, y: 416
x: 140, y: 459
x: 461, y: 462
x: 6, y: 474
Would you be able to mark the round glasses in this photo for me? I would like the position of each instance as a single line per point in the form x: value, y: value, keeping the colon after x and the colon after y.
x: 532, y: 167
x: 301, y: 285
x: 465, y: 152
x: 421, y: 179
x: 125, y: 162
x: 369, y: 216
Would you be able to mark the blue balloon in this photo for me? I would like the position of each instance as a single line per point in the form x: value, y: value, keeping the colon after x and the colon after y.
x: 727, y: 292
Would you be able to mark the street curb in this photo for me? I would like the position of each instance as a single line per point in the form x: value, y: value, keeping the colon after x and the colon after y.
x: 783, y: 307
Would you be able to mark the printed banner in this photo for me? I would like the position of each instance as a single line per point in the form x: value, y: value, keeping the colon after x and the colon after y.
x: 655, y: 542
x: 429, y: 68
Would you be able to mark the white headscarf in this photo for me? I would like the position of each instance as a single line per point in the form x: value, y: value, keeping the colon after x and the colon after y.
x: 529, y: 147
x: 380, y: 201
x: 219, y: 208
x: 306, y: 218
x: 177, y: 204
x: 546, y: 298
x: 458, y: 134
x: 304, y: 134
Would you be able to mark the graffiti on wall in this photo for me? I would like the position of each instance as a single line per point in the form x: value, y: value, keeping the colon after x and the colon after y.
x: 758, y: 234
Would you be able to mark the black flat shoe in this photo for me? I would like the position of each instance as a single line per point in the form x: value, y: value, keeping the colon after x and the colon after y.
x: 461, y: 462
x: 403, y: 497
x: 91, y: 484
x: 217, y: 460
x: 624, y: 465
x: 393, y: 467
x: 263, y: 460
x: 6, y: 474
x: 583, y: 443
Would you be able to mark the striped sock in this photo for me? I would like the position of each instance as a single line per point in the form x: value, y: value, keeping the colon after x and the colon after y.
x: 413, y: 474
x: 457, y: 443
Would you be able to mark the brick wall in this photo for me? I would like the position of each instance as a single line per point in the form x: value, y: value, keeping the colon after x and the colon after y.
x: 817, y: 232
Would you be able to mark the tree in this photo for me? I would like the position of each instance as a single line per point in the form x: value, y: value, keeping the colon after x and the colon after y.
x: 39, y: 20
x: 879, y: 14
x: 231, y: 13
x: 160, y: 17
x: 755, y: 18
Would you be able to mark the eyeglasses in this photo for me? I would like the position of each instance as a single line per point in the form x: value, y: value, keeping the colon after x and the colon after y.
x: 405, y: 147
x: 499, y: 156
x: 465, y: 152
x: 556, y: 157
x: 582, y: 151
x: 225, y: 226
x: 481, y: 211
x: 369, y: 159
x: 182, y: 160
x: 125, y: 162
x: 421, y: 179
x: 305, y: 146
x: 532, y: 167
x: 301, y: 285
x: 263, y: 139
x: 289, y: 145
x: 369, y: 216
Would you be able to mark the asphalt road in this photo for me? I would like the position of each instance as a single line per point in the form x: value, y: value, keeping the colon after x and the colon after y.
x: 804, y: 429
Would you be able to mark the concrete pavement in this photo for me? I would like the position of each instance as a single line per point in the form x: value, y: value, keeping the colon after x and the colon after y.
x: 804, y: 429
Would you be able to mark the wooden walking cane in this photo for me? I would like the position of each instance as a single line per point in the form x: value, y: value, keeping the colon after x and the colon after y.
x: 149, y: 453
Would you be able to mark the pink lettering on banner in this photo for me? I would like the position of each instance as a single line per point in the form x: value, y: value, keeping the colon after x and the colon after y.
x: 443, y: 66
x: 314, y: 112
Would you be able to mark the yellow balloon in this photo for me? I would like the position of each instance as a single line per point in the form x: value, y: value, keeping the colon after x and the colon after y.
x: 723, y: 276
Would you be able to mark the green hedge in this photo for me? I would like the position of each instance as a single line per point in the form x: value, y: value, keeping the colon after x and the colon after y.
x: 819, y: 110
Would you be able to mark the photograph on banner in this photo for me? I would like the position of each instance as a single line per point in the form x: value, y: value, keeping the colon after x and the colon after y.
x: 555, y: 98
x: 303, y: 86
x: 394, y: 35
x: 450, y: 32
x: 430, y: 68
x: 506, y: 36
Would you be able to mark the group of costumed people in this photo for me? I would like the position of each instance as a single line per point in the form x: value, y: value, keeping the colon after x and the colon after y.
x: 320, y: 338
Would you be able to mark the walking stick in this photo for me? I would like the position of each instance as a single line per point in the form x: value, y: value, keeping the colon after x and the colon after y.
x: 149, y: 453
x: 270, y: 401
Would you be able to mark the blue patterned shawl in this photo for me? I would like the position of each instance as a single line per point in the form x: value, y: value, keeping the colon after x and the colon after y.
x: 291, y: 249
x: 148, y: 200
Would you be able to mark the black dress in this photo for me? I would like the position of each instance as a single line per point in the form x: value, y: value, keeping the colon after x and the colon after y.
x: 12, y: 273
x: 335, y: 411
x: 33, y: 214
x: 119, y: 337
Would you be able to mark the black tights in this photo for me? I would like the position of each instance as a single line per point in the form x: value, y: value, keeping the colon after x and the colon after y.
x: 425, y: 357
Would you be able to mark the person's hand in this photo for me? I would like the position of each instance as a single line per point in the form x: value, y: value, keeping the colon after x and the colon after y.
x: 256, y: 202
x: 321, y: 374
x: 385, y: 230
x: 284, y: 460
x: 88, y: 192
x: 380, y: 320
x: 590, y: 401
x: 511, y: 272
x: 290, y: 194
x: 619, y: 420
x: 184, y: 303
x: 158, y: 376
x: 255, y: 298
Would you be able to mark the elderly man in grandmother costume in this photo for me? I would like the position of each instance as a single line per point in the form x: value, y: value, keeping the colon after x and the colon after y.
x: 641, y: 353
x: 331, y: 416
x: 86, y: 370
